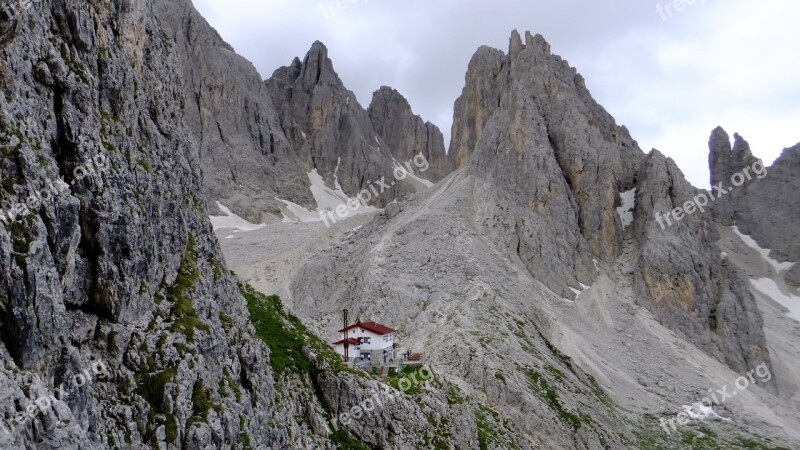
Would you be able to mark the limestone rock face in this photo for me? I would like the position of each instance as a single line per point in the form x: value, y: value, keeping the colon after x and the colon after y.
x: 765, y: 206
x: 327, y: 127
x: 681, y: 277
x: 247, y: 162
x: 552, y: 164
x: 553, y: 160
x: 481, y: 95
x: 407, y: 134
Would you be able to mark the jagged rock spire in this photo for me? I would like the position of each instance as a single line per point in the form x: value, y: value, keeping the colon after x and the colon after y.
x: 407, y: 134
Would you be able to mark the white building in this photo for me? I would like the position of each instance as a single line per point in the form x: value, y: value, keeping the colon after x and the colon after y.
x: 368, y: 340
x: 352, y: 347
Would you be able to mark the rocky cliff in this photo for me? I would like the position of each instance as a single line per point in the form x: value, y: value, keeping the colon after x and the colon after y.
x: 329, y: 130
x: 556, y: 211
x: 765, y: 205
x: 407, y: 134
x: 247, y: 162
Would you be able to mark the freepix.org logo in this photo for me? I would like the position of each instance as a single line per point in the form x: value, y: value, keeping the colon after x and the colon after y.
x: 98, y: 371
x: 374, y: 189
x: 53, y: 189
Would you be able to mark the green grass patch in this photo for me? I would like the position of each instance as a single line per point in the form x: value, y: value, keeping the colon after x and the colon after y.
x: 453, y: 396
x: 558, y: 374
x: 227, y: 321
x: 413, y: 384
x: 286, y: 341
x: 286, y: 335
x: 700, y: 441
x: 488, y: 436
x: 548, y: 394
x: 151, y: 387
x: 145, y: 165
x: 187, y: 321
x: 344, y: 441
x: 201, y: 401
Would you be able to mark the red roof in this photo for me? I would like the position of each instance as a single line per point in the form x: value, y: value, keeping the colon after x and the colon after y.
x: 351, y: 341
x: 370, y: 326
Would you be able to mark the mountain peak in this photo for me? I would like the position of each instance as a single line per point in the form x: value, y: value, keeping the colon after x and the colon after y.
x: 725, y: 159
x: 386, y: 95
x: 532, y: 41
x: 406, y: 133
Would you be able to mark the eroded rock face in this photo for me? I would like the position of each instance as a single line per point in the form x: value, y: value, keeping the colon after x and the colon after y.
x: 327, y: 127
x: 683, y: 279
x: 407, y: 134
x: 553, y: 159
x: 122, y: 267
x: 247, y: 162
x: 481, y: 95
x: 552, y: 163
x: 765, y: 206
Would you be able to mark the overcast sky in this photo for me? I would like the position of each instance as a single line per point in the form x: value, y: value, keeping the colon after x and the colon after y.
x: 670, y: 77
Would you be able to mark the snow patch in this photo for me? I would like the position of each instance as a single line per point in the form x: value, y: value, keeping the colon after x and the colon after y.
x: 625, y: 211
x: 768, y: 287
x: 336, y: 184
x: 300, y: 213
x: 411, y: 178
x: 579, y: 292
x: 699, y: 411
x: 231, y: 221
x: 327, y: 199
x: 750, y: 242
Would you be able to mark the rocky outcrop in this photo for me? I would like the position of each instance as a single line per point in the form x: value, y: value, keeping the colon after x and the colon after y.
x: 764, y: 204
x: 480, y: 97
x: 683, y: 279
x: 552, y: 164
x: 553, y: 160
x: 407, y: 134
x: 247, y: 161
x: 328, y: 129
